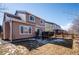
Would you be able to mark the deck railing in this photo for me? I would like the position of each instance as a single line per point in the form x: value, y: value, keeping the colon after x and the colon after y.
x: 61, y: 35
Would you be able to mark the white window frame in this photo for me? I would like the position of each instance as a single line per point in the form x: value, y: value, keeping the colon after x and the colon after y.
x: 27, y: 29
x: 42, y: 21
x: 31, y: 20
x: 31, y: 29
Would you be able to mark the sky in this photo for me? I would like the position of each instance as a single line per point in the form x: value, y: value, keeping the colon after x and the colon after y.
x: 61, y: 13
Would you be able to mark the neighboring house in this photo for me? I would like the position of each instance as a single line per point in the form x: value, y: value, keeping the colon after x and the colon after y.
x: 49, y: 26
x: 21, y: 25
x: 56, y: 26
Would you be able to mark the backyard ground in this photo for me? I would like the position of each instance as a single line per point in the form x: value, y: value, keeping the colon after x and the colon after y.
x: 41, y: 47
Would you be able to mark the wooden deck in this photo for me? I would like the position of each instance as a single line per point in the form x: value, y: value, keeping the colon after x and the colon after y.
x: 64, y: 36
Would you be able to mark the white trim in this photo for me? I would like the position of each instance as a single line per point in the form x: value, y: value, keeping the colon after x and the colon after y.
x: 11, y: 18
x: 40, y: 26
x: 20, y: 30
x: 42, y: 21
x: 10, y: 23
x: 17, y: 20
x: 31, y: 29
x: 10, y: 30
x: 25, y: 33
x: 40, y: 32
x: 3, y: 30
x: 31, y: 20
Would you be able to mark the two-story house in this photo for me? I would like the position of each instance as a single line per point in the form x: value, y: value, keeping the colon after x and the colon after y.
x: 32, y: 19
x: 49, y: 26
x: 21, y: 25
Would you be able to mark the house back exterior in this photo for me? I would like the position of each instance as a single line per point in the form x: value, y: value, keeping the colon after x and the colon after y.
x: 50, y: 27
x: 24, y: 25
x: 21, y: 25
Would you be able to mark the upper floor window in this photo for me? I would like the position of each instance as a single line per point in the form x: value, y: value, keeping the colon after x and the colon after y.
x: 32, y: 18
x: 42, y: 21
x: 30, y: 29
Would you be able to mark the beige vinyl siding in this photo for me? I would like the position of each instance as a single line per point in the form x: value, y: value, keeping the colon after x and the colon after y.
x: 48, y: 27
x: 22, y: 16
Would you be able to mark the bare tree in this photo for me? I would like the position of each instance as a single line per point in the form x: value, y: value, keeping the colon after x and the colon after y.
x: 3, y: 8
x: 75, y: 26
x: 75, y: 23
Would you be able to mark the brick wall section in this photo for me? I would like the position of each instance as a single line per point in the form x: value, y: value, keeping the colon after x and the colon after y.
x: 15, y: 26
x: 7, y: 30
x: 37, y: 20
x: 16, y: 33
x: 40, y: 25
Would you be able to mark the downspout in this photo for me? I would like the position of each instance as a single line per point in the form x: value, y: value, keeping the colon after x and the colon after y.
x: 11, y: 30
x: 4, y: 30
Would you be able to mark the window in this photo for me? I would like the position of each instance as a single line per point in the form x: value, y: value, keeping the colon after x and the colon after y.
x: 32, y: 18
x: 42, y: 21
x: 30, y: 29
x: 25, y: 29
x: 21, y: 29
